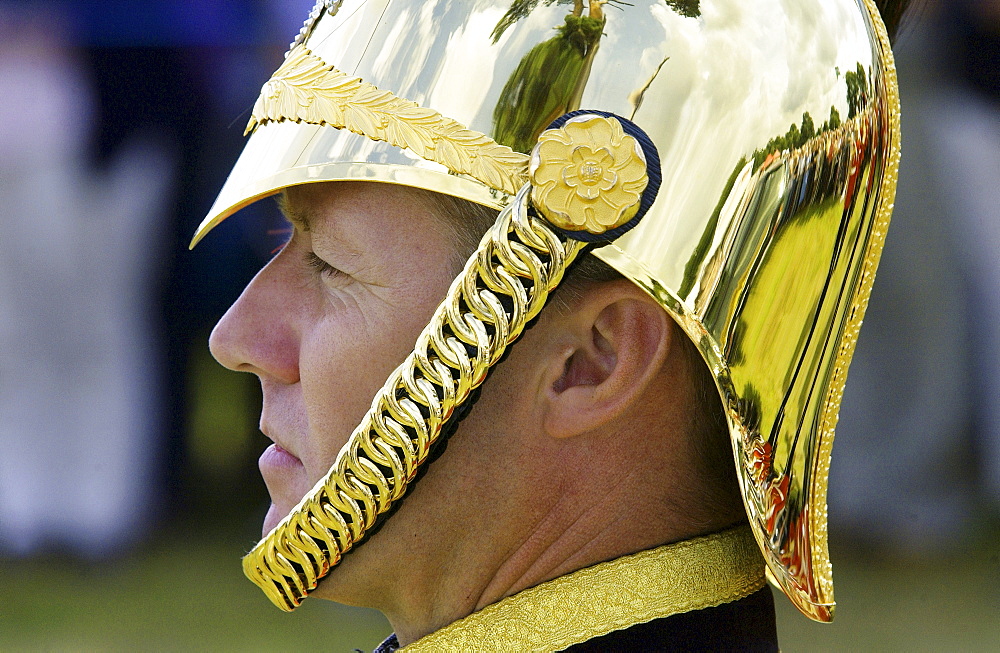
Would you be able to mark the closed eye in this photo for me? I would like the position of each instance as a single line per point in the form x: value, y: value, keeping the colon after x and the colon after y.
x: 321, y: 266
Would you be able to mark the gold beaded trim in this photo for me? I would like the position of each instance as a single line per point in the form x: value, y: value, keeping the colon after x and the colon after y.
x: 890, y: 113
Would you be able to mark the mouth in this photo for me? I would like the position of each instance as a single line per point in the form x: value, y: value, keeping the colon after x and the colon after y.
x: 275, y: 456
x: 285, y: 478
x: 276, y: 451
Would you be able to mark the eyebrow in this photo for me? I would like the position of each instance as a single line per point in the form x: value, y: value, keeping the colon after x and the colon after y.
x: 298, y: 216
x: 303, y: 218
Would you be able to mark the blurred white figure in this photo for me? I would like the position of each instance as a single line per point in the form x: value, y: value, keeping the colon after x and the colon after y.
x: 924, y: 386
x: 905, y: 422
x: 968, y: 142
x: 78, y: 368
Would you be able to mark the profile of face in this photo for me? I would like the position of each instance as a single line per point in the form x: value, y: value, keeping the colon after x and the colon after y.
x: 329, y: 317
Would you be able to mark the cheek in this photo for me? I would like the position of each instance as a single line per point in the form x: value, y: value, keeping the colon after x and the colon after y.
x: 345, y: 361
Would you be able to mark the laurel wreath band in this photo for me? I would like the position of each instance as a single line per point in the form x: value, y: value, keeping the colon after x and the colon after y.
x: 305, y: 89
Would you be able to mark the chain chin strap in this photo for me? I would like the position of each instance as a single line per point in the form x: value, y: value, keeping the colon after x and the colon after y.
x: 502, y: 288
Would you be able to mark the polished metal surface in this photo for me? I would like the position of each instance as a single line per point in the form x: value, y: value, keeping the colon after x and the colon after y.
x: 776, y: 124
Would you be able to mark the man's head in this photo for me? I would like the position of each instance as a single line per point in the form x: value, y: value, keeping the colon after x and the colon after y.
x: 743, y: 280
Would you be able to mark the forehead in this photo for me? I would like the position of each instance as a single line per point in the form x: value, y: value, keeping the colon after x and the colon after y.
x: 384, y: 225
x: 350, y: 211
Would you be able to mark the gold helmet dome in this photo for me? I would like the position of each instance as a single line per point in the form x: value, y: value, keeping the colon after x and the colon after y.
x: 777, y: 128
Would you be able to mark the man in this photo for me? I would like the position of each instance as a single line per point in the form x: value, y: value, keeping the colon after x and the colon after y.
x: 587, y: 500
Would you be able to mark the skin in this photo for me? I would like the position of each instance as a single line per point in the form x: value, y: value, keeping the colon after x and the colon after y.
x: 553, y: 470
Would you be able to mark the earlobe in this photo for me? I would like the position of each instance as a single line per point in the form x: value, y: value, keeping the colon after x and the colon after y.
x: 620, y: 340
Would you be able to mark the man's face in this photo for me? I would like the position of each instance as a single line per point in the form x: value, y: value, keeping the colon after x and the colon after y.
x: 327, y: 320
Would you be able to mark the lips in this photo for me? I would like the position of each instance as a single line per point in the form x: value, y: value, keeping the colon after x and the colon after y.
x: 286, y: 481
x: 278, y: 452
x: 278, y: 457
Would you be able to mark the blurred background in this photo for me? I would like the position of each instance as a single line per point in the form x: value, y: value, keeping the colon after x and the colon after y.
x: 128, y: 480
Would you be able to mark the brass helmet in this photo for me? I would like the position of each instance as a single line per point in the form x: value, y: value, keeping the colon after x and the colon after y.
x: 776, y: 127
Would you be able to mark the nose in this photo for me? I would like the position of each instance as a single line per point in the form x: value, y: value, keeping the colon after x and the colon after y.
x: 258, y: 333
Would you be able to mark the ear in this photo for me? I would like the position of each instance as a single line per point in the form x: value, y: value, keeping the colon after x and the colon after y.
x: 619, y: 339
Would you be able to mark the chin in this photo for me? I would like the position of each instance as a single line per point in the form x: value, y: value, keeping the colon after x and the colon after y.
x: 271, y: 519
x: 353, y: 581
x: 346, y: 584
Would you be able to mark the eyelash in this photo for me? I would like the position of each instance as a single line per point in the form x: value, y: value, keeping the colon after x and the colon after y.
x: 321, y: 266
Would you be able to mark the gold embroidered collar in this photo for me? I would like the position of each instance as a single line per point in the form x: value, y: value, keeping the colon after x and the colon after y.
x: 672, y: 579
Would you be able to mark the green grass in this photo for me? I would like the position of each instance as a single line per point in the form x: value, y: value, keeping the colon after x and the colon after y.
x: 941, y: 603
x: 187, y: 593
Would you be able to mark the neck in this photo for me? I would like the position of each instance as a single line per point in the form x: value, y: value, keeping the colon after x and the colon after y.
x: 669, y: 580
x: 575, y: 531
